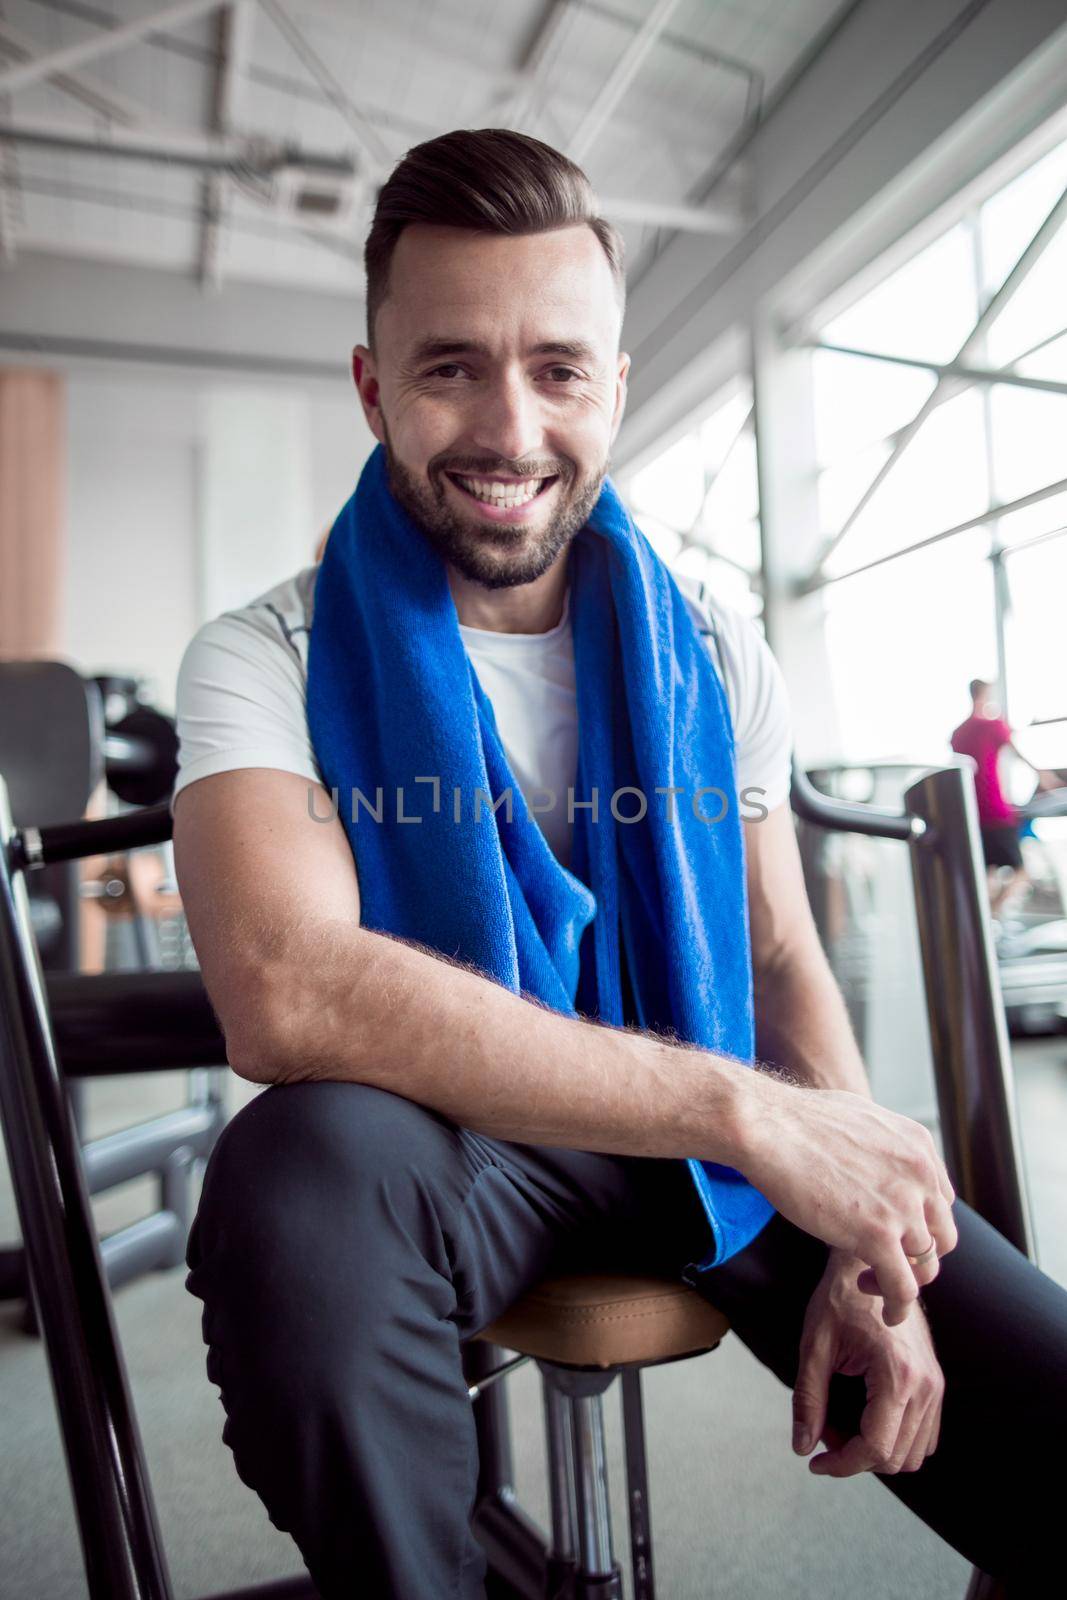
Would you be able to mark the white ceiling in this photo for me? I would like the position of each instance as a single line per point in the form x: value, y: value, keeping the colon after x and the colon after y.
x: 406, y: 70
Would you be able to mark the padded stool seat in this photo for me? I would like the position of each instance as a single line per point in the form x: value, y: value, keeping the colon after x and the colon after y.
x: 602, y: 1319
x: 584, y: 1330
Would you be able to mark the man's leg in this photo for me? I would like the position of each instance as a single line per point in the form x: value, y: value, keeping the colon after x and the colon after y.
x: 346, y: 1241
x: 993, y: 1487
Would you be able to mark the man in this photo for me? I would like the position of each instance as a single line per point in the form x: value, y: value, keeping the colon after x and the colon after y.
x: 982, y: 736
x: 432, y: 1142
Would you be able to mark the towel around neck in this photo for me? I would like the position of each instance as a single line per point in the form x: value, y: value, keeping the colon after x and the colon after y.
x: 447, y: 852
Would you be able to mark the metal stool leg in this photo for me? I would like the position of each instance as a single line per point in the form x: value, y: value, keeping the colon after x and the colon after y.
x: 559, y: 1453
x: 598, y: 1577
x: 633, y: 1425
x: 513, y: 1543
x: 578, y: 1391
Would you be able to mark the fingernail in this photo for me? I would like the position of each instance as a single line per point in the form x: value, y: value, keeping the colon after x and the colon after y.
x: 802, y: 1441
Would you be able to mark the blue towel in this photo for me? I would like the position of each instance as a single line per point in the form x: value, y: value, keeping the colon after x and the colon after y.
x: 402, y: 729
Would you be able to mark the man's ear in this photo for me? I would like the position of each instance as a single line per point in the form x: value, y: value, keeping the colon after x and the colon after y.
x: 621, y: 375
x: 365, y: 378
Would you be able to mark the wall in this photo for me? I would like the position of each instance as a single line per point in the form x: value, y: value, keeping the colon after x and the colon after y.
x: 186, y: 496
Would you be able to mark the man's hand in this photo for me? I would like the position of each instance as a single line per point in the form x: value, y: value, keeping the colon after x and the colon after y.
x: 856, y: 1175
x: 901, y: 1422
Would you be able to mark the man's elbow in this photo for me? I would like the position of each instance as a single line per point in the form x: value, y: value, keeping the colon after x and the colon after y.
x: 254, y: 1055
x: 295, y: 1019
x: 291, y: 1046
x: 260, y: 1038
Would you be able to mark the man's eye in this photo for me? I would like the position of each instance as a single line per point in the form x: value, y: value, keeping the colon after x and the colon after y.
x: 562, y: 374
x: 449, y: 369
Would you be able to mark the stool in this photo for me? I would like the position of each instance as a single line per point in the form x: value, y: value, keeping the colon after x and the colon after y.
x: 584, y: 1331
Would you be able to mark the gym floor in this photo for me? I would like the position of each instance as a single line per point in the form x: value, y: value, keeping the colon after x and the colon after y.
x: 718, y: 1431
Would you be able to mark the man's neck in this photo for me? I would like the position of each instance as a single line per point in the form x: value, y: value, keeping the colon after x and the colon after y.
x: 525, y: 608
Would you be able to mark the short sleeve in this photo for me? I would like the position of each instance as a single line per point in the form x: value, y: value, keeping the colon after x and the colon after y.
x: 241, y: 701
x: 763, y: 730
x: 759, y: 704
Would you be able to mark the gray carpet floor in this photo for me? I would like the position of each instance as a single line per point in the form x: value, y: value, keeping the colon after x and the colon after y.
x: 735, y: 1513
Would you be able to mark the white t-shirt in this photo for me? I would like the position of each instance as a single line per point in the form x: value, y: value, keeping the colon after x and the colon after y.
x: 242, y: 686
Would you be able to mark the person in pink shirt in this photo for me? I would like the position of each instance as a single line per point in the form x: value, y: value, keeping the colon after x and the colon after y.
x: 982, y: 737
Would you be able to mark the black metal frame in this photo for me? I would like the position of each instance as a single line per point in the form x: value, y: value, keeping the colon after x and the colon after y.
x: 166, y: 1148
x: 120, y: 1537
x: 965, y: 1010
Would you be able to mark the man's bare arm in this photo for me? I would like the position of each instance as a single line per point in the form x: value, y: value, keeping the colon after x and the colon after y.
x: 303, y: 992
x: 802, y: 1023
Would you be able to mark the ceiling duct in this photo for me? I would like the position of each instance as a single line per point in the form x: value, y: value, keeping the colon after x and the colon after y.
x: 311, y: 191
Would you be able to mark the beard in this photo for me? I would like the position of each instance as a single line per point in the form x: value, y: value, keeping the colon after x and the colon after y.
x: 495, y: 556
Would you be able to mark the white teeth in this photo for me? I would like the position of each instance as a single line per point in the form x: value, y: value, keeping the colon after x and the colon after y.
x: 501, y: 494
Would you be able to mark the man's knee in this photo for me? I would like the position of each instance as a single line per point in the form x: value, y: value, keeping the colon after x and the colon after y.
x: 300, y: 1172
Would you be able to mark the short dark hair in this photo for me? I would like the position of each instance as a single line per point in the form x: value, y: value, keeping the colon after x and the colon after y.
x: 976, y: 685
x: 491, y: 180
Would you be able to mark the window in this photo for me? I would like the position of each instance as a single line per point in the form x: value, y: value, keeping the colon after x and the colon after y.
x: 697, y: 501
x: 929, y: 478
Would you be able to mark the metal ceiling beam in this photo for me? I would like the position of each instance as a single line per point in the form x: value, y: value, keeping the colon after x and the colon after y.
x: 378, y: 155
x: 687, y: 219
x: 1003, y: 508
x: 235, y: 37
x: 278, y: 82
x: 101, y: 44
x: 150, y: 206
x: 103, y: 102
x: 1014, y: 281
x: 258, y: 158
x: 536, y: 64
x: 968, y: 375
x: 9, y: 193
x: 620, y: 79
x: 39, y: 346
x: 689, y: 47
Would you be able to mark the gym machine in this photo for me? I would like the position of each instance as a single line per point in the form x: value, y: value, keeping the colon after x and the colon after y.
x: 67, y: 742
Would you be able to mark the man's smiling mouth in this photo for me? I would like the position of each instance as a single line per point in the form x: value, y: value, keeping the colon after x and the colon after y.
x: 506, y: 495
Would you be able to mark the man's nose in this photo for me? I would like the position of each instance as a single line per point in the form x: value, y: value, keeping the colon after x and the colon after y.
x: 508, y: 420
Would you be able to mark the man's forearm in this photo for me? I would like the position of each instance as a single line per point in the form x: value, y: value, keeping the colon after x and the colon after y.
x: 366, y: 1007
x: 802, y: 1023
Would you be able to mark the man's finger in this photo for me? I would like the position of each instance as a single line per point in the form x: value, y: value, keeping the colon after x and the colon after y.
x: 911, y: 1424
x: 942, y: 1224
x: 919, y: 1450
x: 916, y: 1242
x: 810, y: 1394
x: 854, y: 1457
x: 883, y: 1420
x: 870, y: 1449
x: 896, y: 1281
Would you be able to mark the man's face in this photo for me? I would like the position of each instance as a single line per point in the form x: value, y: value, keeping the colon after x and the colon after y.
x: 496, y: 388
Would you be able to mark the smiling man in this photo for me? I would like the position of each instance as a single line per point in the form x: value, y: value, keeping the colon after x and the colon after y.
x: 501, y: 1043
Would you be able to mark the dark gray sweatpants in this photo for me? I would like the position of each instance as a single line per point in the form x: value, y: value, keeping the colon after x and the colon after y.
x: 348, y: 1240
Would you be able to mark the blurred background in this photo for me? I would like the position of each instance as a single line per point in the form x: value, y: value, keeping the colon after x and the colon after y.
x: 846, y: 232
